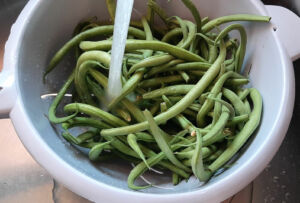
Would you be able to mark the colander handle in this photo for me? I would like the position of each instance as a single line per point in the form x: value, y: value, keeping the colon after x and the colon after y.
x: 287, y: 26
x: 7, y: 93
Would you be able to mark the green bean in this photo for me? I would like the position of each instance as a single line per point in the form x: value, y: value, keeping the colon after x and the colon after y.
x: 191, y: 36
x: 236, y: 82
x: 83, y: 121
x: 237, y: 17
x: 120, y: 146
x: 96, y: 150
x: 204, y: 20
x: 81, y: 26
x: 171, y: 34
x: 197, y: 73
x: 197, y: 163
x: 140, y: 169
x: 52, y: 109
x: 247, y: 106
x: 159, y: 11
x: 176, y: 65
x: 154, y: 82
x: 238, y: 119
x: 153, y: 160
x: 175, y: 179
x: 212, y: 135
x: 150, y: 15
x: 101, y: 30
x: 235, y: 100
x: 144, y: 137
x: 215, y: 155
x: 217, y: 110
x: 80, y: 81
x: 151, y: 61
x: 189, y: 4
x: 226, y: 104
x: 134, y: 111
x: 132, y: 141
x: 143, y: 44
x: 206, y: 38
x: 123, y: 114
x: 206, y: 151
x: 155, y: 108
x: 134, y: 56
x: 111, y: 7
x: 163, y: 107
x: 183, y: 28
x: 244, y: 94
x: 161, y: 142
x: 203, y: 50
x: 185, y: 76
x: 96, y: 89
x: 195, y: 107
x: 240, y: 54
x: 189, y: 112
x: 100, y: 56
x: 244, y: 134
x: 203, y: 97
x: 213, y: 53
x: 170, y: 90
x: 96, y: 112
x: 128, y: 87
x: 148, y: 36
x: 80, y: 138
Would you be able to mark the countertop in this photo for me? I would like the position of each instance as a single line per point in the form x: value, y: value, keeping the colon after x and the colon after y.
x: 23, y: 180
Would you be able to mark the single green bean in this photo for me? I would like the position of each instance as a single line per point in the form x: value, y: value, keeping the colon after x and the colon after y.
x: 111, y: 7
x: 237, y: 17
x: 132, y: 141
x: 189, y: 4
x: 197, y: 163
x: 83, y: 121
x: 96, y: 112
x: 144, y: 44
x: 154, y: 82
x: 52, y: 109
x: 96, y: 150
x: 151, y: 61
x: 170, y: 90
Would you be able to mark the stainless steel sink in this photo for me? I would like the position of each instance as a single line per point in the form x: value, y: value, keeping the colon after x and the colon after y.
x: 21, y: 179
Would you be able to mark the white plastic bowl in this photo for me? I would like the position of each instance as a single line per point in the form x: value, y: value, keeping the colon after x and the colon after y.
x: 44, y: 26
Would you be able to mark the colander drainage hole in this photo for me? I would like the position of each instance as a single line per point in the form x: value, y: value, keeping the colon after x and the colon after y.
x: 1, y: 88
x: 274, y: 29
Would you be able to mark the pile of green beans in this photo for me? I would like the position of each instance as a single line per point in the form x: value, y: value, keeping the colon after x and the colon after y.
x: 183, y: 107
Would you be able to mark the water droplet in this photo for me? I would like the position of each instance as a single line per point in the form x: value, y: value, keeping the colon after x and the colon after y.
x: 287, y: 195
x: 283, y: 172
x: 283, y: 186
x: 275, y: 179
